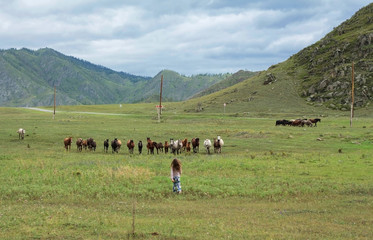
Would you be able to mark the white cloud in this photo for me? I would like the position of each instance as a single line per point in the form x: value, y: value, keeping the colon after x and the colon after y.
x: 144, y: 37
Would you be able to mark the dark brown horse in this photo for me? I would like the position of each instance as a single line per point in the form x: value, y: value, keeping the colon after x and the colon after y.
x: 150, y: 146
x: 90, y: 143
x: 195, y: 144
x: 106, y: 145
x: 159, y: 147
x: 139, y: 146
x: 315, y: 120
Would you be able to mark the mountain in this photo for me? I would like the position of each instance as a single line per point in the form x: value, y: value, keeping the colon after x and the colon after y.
x: 229, y: 81
x: 27, y: 78
x: 319, y: 76
x: 177, y: 87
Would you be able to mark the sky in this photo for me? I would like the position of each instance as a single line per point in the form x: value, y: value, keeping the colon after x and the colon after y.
x: 144, y: 37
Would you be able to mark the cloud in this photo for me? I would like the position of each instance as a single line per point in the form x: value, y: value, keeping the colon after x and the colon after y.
x: 144, y: 37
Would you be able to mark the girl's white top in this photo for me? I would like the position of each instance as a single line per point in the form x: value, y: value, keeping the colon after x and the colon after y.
x: 175, y: 173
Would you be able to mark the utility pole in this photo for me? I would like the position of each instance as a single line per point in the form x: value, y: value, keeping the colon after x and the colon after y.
x: 352, y: 95
x: 160, y: 96
x: 54, y: 109
x: 159, y: 107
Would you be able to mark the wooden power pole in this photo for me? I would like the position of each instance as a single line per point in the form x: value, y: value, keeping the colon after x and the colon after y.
x: 54, y: 109
x: 160, y: 96
x: 352, y: 94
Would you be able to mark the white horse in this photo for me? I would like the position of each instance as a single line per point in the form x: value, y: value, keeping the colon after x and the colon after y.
x: 21, y: 133
x: 207, y: 144
x: 176, y: 146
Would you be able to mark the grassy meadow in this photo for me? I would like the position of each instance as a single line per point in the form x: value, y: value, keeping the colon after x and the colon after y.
x: 269, y: 182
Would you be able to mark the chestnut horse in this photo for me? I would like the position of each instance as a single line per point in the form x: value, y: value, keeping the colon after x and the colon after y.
x: 67, y: 142
x: 184, y: 142
x: 166, y: 146
x: 131, y: 146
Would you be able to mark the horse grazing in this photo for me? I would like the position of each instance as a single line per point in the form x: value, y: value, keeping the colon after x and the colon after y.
x: 106, y: 145
x: 131, y: 146
x: 166, y: 146
x: 315, y: 120
x: 67, y: 142
x: 195, y: 144
x: 114, y: 145
x: 21, y: 133
x: 139, y: 145
x: 218, y: 143
x: 79, y: 144
x: 207, y: 144
x: 150, y: 146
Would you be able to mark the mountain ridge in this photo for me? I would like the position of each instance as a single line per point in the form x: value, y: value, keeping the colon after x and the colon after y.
x: 27, y: 78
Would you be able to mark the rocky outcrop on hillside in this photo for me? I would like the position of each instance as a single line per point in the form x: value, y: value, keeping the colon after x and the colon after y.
x: 329, y: 64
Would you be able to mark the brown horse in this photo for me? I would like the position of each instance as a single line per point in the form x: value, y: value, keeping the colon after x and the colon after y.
x: 67, y: 142
x: 130, y: 145
x: 195, y: 144
x: 188, y: 148
x: 85, y: 144
x: 297, y: 122
x: 166, y: 146
x: 150, y: 146
x: 79, y: 144
x: 185, y: 142
x: 315, y: 120
x: 159, y: 147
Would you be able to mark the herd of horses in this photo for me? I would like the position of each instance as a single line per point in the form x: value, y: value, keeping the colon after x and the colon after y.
x: 174, y: 146
x: 299, y: 122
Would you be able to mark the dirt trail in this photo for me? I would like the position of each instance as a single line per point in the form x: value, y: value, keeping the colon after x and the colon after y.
x: 94, y: 113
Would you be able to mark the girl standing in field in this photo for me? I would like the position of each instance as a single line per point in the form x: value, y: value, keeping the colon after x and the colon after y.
x: 176, y: 174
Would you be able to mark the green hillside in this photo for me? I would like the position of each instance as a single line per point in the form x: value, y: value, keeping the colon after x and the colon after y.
x: 27, y: 78
x: 229, y: 81
x: 316, y: 78
x: 177, y: 87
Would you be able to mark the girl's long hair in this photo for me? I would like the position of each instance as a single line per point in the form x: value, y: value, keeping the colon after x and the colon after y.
x: 176, y: 164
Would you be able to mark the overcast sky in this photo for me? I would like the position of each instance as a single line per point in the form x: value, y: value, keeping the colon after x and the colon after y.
x: 143, y: 37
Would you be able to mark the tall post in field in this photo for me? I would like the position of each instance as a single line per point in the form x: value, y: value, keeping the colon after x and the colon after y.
x: 160, y: 96
x: 352, y: 95
x: 54, y: 108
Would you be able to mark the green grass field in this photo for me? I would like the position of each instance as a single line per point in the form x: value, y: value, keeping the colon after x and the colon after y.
x: 269, y: 182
